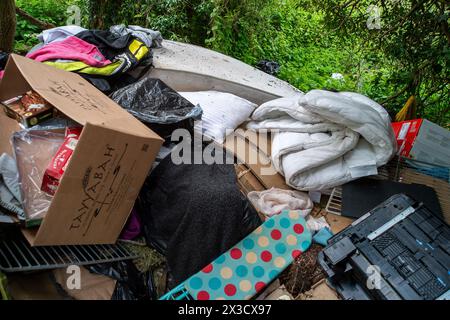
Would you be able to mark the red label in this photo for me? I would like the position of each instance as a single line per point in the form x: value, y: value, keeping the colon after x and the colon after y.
x: 60, y: 160
x: 406, y: 133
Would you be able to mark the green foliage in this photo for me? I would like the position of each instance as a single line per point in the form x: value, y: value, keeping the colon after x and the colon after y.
x: 414, y: 40
x: 287, y: 33
x: 176, y: 19
x: 51, y: 11
x: 310, y: 39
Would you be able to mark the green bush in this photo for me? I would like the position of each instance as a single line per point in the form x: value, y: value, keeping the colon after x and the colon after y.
x: 292, y: 32
x: 51, y: 11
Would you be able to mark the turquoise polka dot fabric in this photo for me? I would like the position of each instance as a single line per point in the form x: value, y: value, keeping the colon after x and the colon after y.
x: 254, y: 262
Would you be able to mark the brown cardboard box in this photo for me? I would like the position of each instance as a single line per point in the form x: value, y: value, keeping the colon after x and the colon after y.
x: 107, y: 169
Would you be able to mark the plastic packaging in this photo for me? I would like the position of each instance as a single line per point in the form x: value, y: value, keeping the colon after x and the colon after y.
x: 33, y: 151
x: 57, y: 166
x: 59, y: 122
x: 10, y: 198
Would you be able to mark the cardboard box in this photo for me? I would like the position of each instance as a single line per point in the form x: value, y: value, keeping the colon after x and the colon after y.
x: 107, y: 169
x: 423, y: 140
x: 60, y: 161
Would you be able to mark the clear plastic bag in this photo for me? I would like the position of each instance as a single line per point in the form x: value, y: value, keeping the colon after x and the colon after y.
x: 10, y: 198
x: 33, y: 150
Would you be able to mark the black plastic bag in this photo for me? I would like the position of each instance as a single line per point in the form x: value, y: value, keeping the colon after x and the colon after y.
x: 131, y: 284
x: 152, y: 101
x: 270, y: 67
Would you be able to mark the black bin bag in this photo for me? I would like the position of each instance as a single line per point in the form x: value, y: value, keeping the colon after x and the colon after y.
x: 158, y: 106
x: 131, y: 283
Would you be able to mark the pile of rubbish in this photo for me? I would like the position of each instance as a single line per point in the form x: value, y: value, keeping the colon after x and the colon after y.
x: 151, y: 192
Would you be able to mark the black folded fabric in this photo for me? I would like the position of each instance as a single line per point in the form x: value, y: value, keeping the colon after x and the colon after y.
x: 109, y: 44
x: 193, y: 213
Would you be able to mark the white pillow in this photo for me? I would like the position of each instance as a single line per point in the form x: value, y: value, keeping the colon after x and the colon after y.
x: 221, y: 111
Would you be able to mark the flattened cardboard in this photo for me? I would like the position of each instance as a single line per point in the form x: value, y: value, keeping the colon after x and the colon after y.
x: 92, y: 286
x: 112, y: 159
x: 34, y: 286
x: 247, y: 180
x: 7, y: 127
x: 249, y: 150
x: 338, y: 223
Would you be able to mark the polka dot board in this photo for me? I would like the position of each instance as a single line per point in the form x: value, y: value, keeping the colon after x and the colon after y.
x: 254, y: 262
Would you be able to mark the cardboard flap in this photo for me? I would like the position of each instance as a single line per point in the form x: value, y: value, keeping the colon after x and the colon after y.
x: 7, y: 127
x: 69, y: 93
x: 13, y: 82
x: 99, y: 187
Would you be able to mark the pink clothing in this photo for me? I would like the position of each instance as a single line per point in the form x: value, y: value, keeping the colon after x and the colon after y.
x: 133, y: 227
x: 71, y: 48
x: 1, y: 74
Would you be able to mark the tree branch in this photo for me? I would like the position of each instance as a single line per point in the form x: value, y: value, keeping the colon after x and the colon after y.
x: 395, y: 95
x: 40, y: 24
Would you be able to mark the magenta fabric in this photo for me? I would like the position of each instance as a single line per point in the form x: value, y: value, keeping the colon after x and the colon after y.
x: 1, y: 74
x: 133, y: 227
x: 71, y: 48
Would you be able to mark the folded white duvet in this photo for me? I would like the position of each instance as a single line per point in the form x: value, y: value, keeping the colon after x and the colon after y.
x: 323, y: 139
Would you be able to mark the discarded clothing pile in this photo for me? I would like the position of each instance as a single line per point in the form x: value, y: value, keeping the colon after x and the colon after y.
x: 101, y: 56
x: 192, y: 213
x: 324, y: 139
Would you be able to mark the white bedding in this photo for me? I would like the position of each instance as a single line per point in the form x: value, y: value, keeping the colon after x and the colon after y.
x: 222, y: 112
